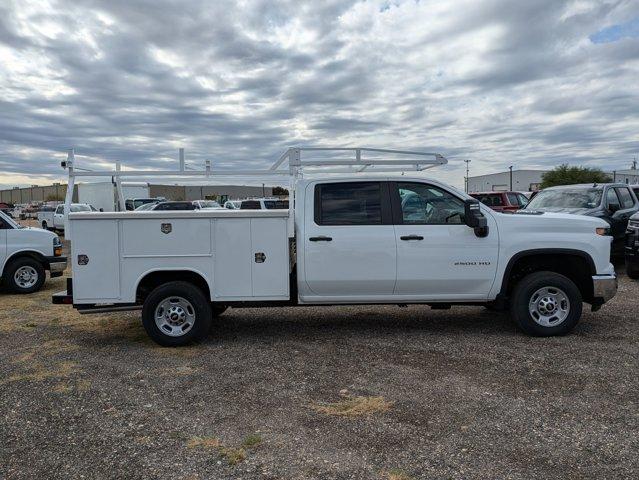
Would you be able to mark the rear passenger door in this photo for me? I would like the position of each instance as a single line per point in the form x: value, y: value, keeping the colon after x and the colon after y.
x: 349, y: 241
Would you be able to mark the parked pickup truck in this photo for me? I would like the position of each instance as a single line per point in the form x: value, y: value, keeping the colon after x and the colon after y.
x: 52, y: 218
x: 26, y: 254
x: 348, y: 240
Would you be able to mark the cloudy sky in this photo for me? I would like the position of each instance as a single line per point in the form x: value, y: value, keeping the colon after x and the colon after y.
x: 501, y: 82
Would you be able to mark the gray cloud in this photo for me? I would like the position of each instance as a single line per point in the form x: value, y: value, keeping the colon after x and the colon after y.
x: 499, y: 82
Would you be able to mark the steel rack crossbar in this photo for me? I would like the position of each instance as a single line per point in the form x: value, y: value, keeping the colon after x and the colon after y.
x: 313, y: 162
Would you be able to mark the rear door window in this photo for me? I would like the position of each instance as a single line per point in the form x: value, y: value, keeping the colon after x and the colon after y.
x: 626, y: 198
x: 612, y: 198
x: 492, y: 200
x: 356, y: 203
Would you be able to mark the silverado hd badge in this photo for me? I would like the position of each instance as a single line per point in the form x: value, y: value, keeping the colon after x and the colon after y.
x: 166, y: 228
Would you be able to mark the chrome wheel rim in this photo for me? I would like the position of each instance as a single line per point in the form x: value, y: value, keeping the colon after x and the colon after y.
x: 549, y: 306
x: 26, y: 277
x: 175, y: 316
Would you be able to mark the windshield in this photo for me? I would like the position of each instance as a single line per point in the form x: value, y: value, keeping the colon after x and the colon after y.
x: 146, y: 206
x: 8, y: 220
x: 209, y: 204
x: 138, y: 202
x: 567, y: 198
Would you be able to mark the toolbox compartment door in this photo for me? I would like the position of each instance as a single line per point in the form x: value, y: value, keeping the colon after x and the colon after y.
x: 270, y: 265
x: 96, y: 244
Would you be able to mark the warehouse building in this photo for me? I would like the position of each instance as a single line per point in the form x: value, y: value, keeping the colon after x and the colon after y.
x: 530, y: 180
x: 522, y: 181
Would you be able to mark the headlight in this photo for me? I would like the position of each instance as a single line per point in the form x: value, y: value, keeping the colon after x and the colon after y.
x: 57, y: 247
x: 603, y: 231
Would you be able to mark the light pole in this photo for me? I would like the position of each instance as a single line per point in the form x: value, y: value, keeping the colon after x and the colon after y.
x: 511, y: 177
x: 466, y: 162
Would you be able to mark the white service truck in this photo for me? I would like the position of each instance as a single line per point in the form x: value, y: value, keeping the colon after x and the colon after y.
x: 52, y: 218
x: 26, y: 254
x: 360, y: 239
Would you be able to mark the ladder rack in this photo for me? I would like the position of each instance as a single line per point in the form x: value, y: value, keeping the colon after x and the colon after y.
x: 291, y: 164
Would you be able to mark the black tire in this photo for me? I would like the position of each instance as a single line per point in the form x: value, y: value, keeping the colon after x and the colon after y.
x: 632, y: 272
x: 217, y: 309
x: 45, y: 226
x: 198, y: 317
x: 528, y: 287
x: 35, y: 268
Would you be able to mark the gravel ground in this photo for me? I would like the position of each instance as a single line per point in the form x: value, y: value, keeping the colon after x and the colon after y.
x: 318, y: 393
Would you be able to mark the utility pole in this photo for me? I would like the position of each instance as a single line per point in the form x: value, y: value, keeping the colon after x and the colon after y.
x: 511, y: 177
x: 466, y: 162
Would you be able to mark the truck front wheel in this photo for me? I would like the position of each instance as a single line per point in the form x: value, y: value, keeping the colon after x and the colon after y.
x: 176, y: 313
x: 25, y: 275
x: 545, y: 304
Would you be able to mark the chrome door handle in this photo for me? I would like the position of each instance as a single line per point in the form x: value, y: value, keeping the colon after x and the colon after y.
x: 412, y: 237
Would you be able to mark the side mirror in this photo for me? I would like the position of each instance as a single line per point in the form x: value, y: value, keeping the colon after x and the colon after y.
x: 614, y: 207
x: 474, y: 218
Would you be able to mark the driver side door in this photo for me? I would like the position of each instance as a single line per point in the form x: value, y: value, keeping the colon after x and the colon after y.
x: 438, y: 256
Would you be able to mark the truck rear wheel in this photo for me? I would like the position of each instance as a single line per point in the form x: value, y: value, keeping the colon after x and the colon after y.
x: 545, y: 304
x: 45, y: 226
x: 25, y: 275
x: 176, y: 313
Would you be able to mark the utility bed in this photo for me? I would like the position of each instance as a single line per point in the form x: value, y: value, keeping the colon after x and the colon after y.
x: 244, y: 253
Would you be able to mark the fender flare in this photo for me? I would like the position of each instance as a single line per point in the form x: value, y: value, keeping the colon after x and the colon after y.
x: 543, y: 251
x: 38, y: 256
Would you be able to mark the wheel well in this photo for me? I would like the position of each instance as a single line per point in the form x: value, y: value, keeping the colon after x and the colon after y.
x: 576, y: 267
x: 33, y: 255
x: 155, y: 279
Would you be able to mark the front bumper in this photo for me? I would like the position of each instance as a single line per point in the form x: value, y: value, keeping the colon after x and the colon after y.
x: 604, y: 287
x: 57, y: 266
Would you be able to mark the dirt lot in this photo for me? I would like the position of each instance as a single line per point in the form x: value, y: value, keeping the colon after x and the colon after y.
x: 318, y: 393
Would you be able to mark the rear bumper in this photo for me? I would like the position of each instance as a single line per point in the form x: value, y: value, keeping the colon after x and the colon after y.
x: 57, y: 265
x: 604, y: 287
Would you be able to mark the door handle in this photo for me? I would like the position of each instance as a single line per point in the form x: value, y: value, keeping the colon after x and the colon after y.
x: 321, y: 238
x: 412, y: 237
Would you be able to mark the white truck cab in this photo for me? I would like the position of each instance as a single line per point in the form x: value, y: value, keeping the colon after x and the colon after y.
x: 52, y: 218
x: 26, y: 254
x: 361, y: 239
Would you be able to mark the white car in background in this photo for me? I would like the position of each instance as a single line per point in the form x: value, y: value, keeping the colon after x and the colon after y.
x: 258, y: 204
x: 26, y: 254
x: 52, y: 218
x: 206, y: 205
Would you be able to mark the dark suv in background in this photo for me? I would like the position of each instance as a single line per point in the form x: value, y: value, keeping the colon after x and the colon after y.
x: 613, y: 202
x: 632, y: 247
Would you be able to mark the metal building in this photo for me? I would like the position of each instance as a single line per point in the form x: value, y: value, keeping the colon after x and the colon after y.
x: 522, y: 181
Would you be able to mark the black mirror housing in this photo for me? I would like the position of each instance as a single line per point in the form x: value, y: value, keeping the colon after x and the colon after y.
x: 474, y: 218
x: 614, y: 207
